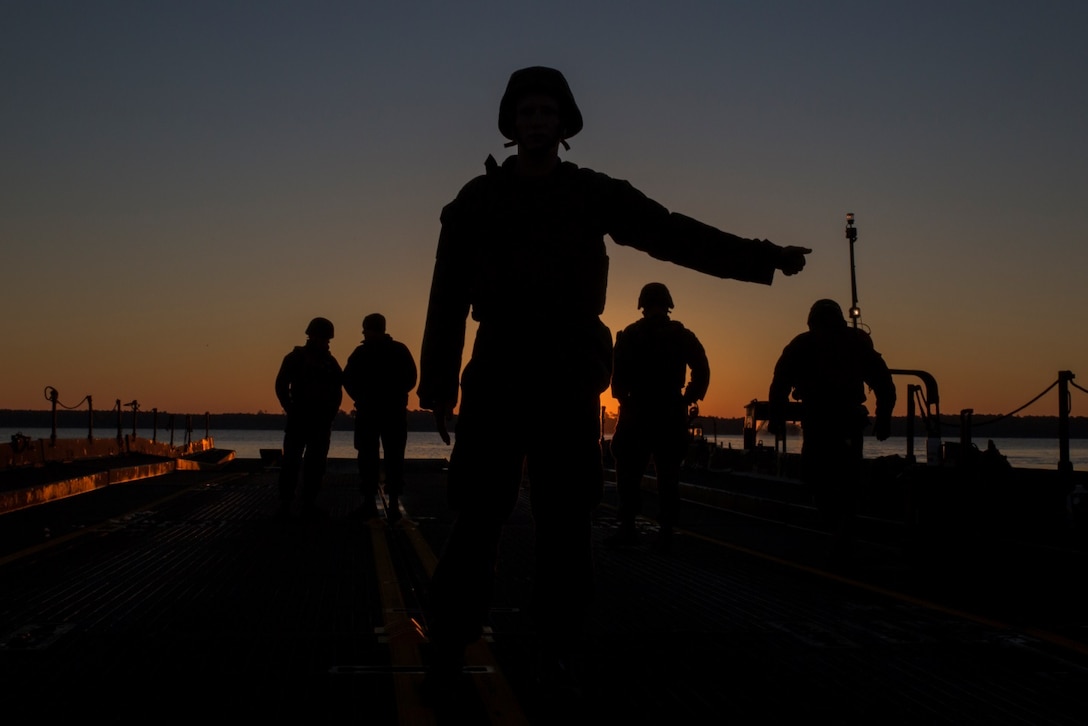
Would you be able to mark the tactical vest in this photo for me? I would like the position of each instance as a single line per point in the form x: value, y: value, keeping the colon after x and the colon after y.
x: 537, y: 247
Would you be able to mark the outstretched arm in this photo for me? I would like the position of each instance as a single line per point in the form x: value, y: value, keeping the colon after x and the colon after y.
x: 637, y: 221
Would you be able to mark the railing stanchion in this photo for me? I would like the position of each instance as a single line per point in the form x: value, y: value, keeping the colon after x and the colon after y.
x: 53, y: 395
x: 912, y: 391
x: 965, y: 433
x: 1065, y: 465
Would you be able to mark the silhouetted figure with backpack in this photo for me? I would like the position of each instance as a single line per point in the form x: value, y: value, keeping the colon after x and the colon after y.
x: 308, y: 387
x: 379, y: 375
x: 651, y: 361
x: 522, y: 248
x: 827, y: 369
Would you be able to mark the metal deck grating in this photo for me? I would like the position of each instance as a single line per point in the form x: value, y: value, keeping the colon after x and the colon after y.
x: 197, y: 596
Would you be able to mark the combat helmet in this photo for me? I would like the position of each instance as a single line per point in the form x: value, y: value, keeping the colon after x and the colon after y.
x: 825, y: 314
x: 655, y: 293
x: 320, y: 328
x: 539, y: 79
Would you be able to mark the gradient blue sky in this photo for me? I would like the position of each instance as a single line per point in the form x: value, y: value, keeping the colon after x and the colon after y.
x: 183, y: 185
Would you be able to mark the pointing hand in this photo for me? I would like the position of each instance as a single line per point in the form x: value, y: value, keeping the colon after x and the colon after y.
x: 791, y: 259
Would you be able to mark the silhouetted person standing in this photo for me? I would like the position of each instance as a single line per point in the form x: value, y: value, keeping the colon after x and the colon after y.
x: 650, y: 380
x: 522, y: 247
x: 308, y: 387
x: 827, y: 369
x: 379, y: 375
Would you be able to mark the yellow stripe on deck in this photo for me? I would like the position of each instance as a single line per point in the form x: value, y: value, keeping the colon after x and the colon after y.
x: 403, y: 633
x: 498, y: 698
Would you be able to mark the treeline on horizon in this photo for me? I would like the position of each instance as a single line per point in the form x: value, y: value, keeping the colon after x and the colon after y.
x: 105, y: 422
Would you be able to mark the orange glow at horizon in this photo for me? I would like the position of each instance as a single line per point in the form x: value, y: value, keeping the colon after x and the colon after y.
x: 175, y: 258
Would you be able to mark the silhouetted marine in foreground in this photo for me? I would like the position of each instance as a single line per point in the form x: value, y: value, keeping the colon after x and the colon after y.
x: 827, y: 369
x: 379, y: 375
x: 308, y: 388
x: 522, y: 247
x: 650, y: 380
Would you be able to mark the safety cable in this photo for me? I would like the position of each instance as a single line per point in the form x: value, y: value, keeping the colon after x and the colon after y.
x: 1013, y: 413
x: 1010, y: 413
x: 52, y: 397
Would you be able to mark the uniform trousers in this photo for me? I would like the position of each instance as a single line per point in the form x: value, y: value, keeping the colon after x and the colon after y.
x: 384, y: 433
x: 555, y: 449
x: 305, y: 447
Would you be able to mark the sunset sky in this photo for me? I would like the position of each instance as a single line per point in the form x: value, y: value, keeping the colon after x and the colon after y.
x: 183, y: 185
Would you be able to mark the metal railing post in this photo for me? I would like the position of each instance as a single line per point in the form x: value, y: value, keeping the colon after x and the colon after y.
x: 1065, y: 465
x: 135, y: 408
x: 912, y: 391
x: 932, y: 401
x: 53, y: 395
x: 965, y: 431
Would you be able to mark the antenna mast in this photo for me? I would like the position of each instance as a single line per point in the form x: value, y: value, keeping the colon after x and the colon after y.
x: 852, y: 235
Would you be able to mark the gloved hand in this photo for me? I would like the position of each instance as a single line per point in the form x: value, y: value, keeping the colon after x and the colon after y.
x: 791, y: 259
x: 882, y: 428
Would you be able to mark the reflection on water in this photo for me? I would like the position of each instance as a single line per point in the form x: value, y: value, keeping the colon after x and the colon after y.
x: 246, y: 444
x: 1026, y: 453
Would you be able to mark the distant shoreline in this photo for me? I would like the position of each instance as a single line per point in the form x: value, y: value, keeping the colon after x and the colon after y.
x: 983, y: 426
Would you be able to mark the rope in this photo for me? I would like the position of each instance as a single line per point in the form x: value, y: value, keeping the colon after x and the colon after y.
x: 1074, y: 385
x: 1012, y: 413
x: 49, y: 397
